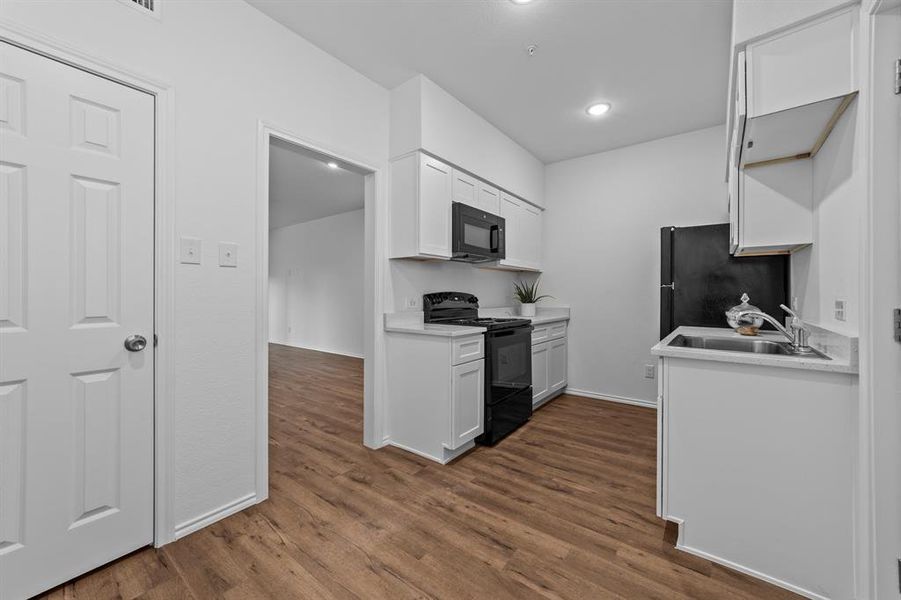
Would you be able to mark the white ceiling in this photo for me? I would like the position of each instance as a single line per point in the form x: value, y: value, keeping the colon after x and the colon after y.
x: 663, y: 64
x: 303, y: 188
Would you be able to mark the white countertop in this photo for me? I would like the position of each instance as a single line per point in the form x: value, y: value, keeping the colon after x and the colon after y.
x: 837, y: 364
x: 411, y: 322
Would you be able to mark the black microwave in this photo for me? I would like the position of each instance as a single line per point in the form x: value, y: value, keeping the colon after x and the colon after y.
x: 478, y: 236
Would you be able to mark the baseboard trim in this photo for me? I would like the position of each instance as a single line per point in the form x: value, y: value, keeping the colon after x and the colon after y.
x: 217, y: 514
x: 611, y: 398
x: 315, y: 349
x: 740, y: 568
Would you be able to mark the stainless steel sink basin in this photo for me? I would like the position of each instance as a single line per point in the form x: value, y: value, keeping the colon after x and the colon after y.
x: 752, y: 345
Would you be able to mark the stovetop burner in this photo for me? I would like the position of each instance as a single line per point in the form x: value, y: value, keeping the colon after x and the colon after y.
x: 459, y: 308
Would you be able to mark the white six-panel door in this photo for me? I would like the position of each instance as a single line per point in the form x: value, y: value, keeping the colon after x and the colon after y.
x: 76, y: 278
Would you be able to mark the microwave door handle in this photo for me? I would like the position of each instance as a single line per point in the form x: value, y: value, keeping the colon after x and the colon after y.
x: 495, y: 239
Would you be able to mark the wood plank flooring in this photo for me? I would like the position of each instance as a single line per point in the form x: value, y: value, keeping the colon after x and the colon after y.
x: 563, y: 508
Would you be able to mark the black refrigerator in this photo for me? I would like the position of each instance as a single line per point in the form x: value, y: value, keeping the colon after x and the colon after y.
x: 700, y: 280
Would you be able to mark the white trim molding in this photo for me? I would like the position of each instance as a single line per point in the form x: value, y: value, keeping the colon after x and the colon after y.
x: 217, y: 514
x: 375, y: 244
x: 164, y: 242
x: 611, y: 398
x: 738, y: 567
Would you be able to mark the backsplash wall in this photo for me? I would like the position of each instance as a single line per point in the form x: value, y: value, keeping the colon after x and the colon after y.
x: 413, y: 278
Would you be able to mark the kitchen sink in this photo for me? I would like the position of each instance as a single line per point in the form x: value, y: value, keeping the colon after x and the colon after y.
x: 752, y: 345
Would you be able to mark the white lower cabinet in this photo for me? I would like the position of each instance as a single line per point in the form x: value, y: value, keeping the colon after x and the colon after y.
x: 557, y: 365
x: 540, y: 372
x: 467, y: 404
x: 436, y: 393
x: 549, y: 362
x: 750, y: 456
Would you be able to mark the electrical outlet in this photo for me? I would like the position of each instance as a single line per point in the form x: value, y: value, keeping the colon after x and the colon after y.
x: 841, y: 311
x: 650, y: 371
x: 411, y: 303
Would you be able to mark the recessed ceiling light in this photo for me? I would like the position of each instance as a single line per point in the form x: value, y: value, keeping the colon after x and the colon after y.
x: 520, y: 1
x: 596, y: 110
x: 332, y: 165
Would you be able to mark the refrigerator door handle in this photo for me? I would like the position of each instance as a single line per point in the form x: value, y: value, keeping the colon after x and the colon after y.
x: 671, y: 286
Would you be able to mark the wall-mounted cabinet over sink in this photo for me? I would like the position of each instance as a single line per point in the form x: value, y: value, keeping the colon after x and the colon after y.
x: 790, y: 89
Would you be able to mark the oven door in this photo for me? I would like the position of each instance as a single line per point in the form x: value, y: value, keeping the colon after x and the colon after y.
x: 478, y: 236
x: 509, y: 363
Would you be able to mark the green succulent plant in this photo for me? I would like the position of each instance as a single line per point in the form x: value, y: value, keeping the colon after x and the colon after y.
x: 527, y: 293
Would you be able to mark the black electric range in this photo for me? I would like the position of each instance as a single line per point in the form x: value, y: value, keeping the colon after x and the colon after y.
x: 508, y: 360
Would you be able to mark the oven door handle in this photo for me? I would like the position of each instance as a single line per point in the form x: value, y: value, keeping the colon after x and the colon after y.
x: 512, y: 331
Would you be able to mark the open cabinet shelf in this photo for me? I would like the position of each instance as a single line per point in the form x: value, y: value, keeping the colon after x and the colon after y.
x: 792, y: 134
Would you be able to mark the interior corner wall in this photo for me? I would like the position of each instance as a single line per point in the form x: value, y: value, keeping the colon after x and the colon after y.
x: 829, y: 270
x: 316, y: 284
x: 602, y: 249
x: 229, y: 67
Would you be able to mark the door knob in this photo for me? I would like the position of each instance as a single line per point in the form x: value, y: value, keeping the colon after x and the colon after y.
x: 135, y: 343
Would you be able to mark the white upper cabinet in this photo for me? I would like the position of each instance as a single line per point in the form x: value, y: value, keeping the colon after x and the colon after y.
x: 423, y: 190
x: 421, y: 197
x: 523, y: 229
x: 797, y: 84
x: 489, y: 198
x: 789, y: 91
x: 804, y: 65
x: 474, y: 192
x: 466, y: 189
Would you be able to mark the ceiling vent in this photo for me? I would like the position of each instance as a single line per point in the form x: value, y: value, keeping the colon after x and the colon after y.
x: 148, y: 7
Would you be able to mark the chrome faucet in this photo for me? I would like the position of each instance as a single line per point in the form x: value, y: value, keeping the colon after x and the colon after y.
x: 798, y: 335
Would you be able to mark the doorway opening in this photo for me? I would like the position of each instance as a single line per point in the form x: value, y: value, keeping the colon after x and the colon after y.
x: 317, y: 301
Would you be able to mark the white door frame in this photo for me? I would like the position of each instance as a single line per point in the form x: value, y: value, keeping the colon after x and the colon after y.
x: 164, y: 243
x: 872, y: 325
x: 375, y: 243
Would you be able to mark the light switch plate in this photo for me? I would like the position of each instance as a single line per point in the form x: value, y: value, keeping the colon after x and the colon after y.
x: 228, y: 254
x: 411, y: 303
x: 190, y: 250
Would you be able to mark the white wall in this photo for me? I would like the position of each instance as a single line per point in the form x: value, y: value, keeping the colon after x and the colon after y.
x: 229, y: 65
x: 602, y: 248
x: 830, y: 268
x: 425, y: 116
x: 316, y: 284
x: 413, y: 278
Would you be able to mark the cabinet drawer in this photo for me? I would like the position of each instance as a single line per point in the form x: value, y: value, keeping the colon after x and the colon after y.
x: 550, y: 331
x: 540, y: 333
x: 468, y: 349
x: 556, y: 330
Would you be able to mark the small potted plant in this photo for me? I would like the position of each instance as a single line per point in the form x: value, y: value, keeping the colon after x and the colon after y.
x: 527, y: 295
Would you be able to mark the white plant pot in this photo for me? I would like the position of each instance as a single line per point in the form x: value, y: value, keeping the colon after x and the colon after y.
x: 527, y: 310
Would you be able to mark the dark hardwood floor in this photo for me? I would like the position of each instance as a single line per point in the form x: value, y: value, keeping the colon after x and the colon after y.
x: 563, y: 508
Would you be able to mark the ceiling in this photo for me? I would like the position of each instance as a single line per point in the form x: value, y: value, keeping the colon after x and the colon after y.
x: 302, y: 187
x: 662, y: 64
